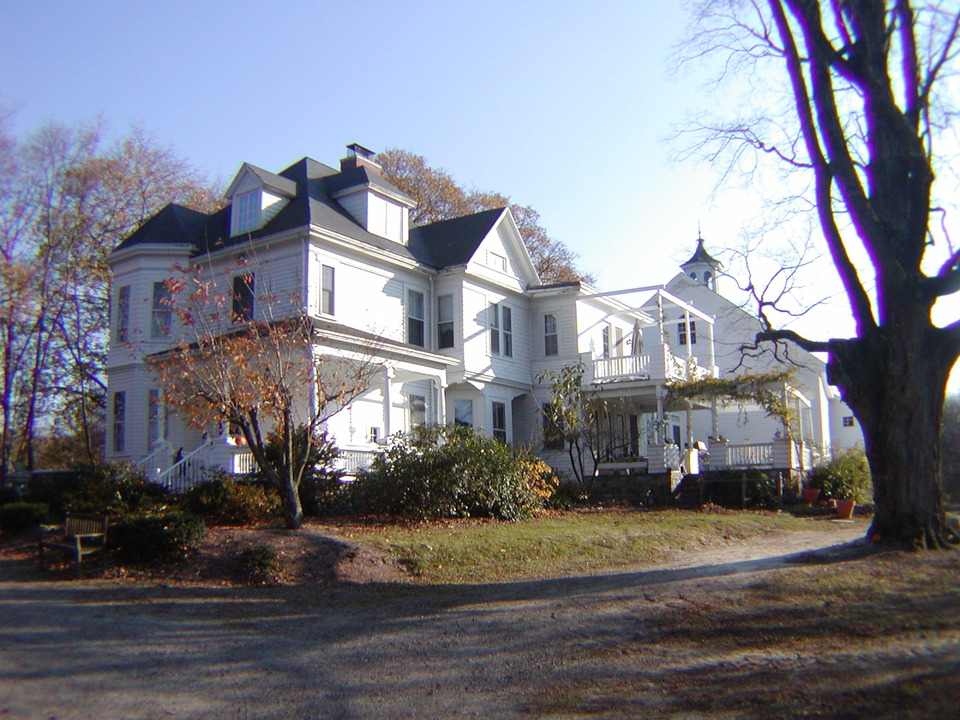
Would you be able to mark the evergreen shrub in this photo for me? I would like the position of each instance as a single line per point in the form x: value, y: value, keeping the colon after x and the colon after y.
x: 223, y: 500
x: 452, y: 471
x: 19, y: 516
x: 157, y: 537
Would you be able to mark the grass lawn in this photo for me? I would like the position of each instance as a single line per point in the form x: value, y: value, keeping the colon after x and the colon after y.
x: 587, y: 540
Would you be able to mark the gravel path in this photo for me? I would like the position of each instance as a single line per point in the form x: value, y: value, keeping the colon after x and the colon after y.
x: 104, y: 650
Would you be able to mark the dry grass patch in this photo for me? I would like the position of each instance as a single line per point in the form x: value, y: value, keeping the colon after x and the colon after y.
x: 877, y: 637
x: 562, y: 543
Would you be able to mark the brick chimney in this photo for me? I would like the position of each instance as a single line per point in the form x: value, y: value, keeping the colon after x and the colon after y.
x: 359, y: 156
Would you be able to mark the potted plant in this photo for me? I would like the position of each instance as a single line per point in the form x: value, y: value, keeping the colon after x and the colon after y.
x: 845, y: 478
x: 810, y: 495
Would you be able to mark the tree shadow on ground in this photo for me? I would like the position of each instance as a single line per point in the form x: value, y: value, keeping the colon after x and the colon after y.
x: 647, y: 643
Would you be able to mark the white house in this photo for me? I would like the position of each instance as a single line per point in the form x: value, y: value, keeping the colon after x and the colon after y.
x: 822, y: 419
x: 452, y: 313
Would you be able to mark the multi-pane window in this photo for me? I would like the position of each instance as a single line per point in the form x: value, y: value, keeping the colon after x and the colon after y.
x: 463, y: 412
x: 162, y: 311
x: 847, y: 421
x: 415, y: 319
x: 552, y: 437
x: 682, y: 333
x: 500, y: 318
x: 507, y: 331
x: 119, y: 421
x: 445, y: 336
x: 605, y: 339
x: 243, y: 294
x: 123, y: 314
x: 418, y: 410
x: 499, y: 421
x: 153, y: 417
x: 326, y: 290
x: 247, y: 209
x: 551, y: 343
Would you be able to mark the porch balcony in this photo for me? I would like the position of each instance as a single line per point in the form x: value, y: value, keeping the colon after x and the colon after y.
x: 661, y: 366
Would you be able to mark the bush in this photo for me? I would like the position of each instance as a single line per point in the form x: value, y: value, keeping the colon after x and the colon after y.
x: 105, y: 489
x: 568, y: 495
x: 845, y: 477
x: 260, y: 565
x: 19, y: 516
x: 157, y: 537
x: 453, y: 471
x: 222, y: 500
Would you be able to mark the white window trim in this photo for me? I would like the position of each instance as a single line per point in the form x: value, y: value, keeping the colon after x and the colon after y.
x: 500, y: 323
x: 411, y: 301
x: 246, y: 211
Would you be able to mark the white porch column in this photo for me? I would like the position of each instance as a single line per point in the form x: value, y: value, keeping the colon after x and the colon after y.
x: 660, y: 416
x: 440, y: 387
x: 388, y: 375
x: 713, y: 352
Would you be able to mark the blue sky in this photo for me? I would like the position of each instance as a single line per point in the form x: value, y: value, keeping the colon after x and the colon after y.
x: 561, y: 105
x: 565, y: 106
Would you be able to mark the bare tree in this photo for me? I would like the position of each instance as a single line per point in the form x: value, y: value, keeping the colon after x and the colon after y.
x: 867, y: 83
x: 264, y: 378
x: 66, y: 199
x: 440, y: 197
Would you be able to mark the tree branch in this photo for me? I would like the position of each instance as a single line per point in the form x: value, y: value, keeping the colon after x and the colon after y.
x: 795, y: 338
x: 823, y: 173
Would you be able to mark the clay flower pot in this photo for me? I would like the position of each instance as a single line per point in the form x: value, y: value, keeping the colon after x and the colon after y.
x: 845, y: 509
x: 810, y: 495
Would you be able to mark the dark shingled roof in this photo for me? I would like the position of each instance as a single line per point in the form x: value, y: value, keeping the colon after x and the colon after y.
x: 310, y: 186
x: 359, y: 176
x: 702, y: 256
x: 173, y: 225
x: 449, y: 243
x: 276, y: 183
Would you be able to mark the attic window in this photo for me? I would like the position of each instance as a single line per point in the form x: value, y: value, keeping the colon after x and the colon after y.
x: 497, y: 262
x: 246, y: 209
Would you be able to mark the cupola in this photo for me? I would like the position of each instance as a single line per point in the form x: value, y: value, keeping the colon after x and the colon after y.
x: 702, y: 267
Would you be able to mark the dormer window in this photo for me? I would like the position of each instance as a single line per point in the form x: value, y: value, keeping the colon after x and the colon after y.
x: 246, y: 212
x: 256, y: 196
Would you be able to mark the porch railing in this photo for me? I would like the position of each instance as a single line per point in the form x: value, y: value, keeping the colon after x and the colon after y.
x: 243, y: 463
x: 626, y: 366
x: 152, y: 464
x: 187, y: 471
x: 354, y: 462
x: 750, y: 455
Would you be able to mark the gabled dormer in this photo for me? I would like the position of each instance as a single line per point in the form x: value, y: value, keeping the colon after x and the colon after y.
x: 256, y: 196
x: 376, y: 204
x: 502, y: 256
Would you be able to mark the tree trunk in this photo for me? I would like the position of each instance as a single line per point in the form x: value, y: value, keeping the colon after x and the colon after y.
x: 894, y: 382
x: 290, y: 500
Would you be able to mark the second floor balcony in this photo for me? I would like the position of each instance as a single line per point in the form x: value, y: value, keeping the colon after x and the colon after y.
x: 659, y: 366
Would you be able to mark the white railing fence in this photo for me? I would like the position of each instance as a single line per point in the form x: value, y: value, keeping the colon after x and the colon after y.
x: 354, y: 462
x: 154, y: 463
x: 626, y: 366
x: 750, y: 455
x: 187, y: 471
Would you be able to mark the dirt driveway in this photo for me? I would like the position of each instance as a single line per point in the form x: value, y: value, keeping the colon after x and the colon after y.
x: 104, y: 650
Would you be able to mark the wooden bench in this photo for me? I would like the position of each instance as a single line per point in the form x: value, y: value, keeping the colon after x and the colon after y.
x: 83, y: 535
